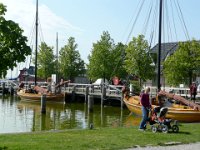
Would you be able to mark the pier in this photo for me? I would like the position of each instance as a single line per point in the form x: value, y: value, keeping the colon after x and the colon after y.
x: 95, y: 91
x: 7, y: 86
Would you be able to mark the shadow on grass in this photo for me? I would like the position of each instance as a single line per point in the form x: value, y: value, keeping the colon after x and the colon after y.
x: 3, y: 148
x: 180, y: 132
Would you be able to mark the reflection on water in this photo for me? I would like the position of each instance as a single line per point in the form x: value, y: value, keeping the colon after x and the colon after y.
x: 21, y: 116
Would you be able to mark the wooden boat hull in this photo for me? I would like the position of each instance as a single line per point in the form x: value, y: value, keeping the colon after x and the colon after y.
x: 184, y: 115
x: 180, y: 113
x: 37, y: 97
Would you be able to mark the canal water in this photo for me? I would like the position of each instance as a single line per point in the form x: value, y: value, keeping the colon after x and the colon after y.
x: 22, y: 116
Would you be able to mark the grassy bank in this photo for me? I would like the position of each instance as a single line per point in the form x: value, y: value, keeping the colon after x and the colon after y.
x: 104, y: 138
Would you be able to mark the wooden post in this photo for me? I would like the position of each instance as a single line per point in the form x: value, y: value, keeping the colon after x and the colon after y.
x: 3, y: 88
x: 90, y: 103
x: 73, y: 93
x: 66, y: 97
x: 122, y: 102
x: 43, y: 103
x: 103, y: 94
x: 121, y: 118
x: 86, y: 93
x: 43, y: 122
x: 90, y: 120
x: 92, y: 89
x: 11, y: 90
x: 102, y: 114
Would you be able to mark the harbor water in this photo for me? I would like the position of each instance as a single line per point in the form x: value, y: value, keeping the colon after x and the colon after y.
x: 21, y: 116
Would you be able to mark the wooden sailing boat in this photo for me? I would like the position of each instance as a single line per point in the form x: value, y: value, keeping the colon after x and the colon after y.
x: 186, y: 111
x: 27, y: 95
x: 180, y: 112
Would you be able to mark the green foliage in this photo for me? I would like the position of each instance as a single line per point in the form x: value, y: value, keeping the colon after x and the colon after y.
x: 136, y: 86
x: 117, y: 61
x: 46, y: 64
x: 184, y: 64
x: 71, y: 65
x: 138, y: 61
x: 106, y: 59
x: 13, y: 47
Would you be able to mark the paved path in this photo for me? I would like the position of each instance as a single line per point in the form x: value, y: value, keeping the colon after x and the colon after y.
x: 192, y: 146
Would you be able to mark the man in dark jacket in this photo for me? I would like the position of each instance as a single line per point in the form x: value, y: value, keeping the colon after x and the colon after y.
x: 193, y: 91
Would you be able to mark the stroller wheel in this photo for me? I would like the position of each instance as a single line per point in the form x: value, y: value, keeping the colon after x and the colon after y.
x: 165, y: 129
x: 175, y: 128
x: 154, y: 129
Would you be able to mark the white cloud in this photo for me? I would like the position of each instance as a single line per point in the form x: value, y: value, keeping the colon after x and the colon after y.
x: 23, y: 12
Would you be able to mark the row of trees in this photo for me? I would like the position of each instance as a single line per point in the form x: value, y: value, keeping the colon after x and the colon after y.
x: 107, y: 59
x: 68, y: 64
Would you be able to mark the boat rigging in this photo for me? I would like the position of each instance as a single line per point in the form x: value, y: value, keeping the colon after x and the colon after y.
x: 159, y: 24
x: 36, y: 42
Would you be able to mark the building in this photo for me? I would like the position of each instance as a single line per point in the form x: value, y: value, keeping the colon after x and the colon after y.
x: 167, y: 49
x: 28, y: 74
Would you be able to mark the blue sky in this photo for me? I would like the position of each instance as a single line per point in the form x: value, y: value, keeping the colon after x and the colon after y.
x: 87, y: 19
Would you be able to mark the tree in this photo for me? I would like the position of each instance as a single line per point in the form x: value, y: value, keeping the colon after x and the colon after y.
x: 13, y: 47
x: 184, y: 64
x: 138, y: 61
x: 117, y: 61
x: 71, y: 65
x: 106, y: 59
x: 46, y: 63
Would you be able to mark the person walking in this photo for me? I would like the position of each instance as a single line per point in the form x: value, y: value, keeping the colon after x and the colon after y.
x: 145, y: 108
x: 193, y: 91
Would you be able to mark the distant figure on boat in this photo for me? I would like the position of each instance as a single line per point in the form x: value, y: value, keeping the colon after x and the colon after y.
x: 164, y: 101
x: 51, y: 88
x: 116, y: 81
x: 193, y: 91
x: 60, y: 84
x: 21, y: 86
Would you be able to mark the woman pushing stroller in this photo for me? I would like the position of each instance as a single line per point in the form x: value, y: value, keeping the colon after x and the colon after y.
x: 158, y: 116
x: 146, y: 106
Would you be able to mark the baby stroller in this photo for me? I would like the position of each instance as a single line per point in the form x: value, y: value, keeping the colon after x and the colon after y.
x: 158, y: 121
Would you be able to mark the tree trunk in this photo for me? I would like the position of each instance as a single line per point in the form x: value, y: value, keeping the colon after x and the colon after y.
x: 140, y: 82
x: 190, y: 77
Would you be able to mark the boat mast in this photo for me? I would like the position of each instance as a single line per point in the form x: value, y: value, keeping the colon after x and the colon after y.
x: 159, y: 45
x: 36, y: 42
x: 57, y: 70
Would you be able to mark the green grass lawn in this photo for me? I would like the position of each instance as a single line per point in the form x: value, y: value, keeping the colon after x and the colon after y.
x: 101, y: 138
